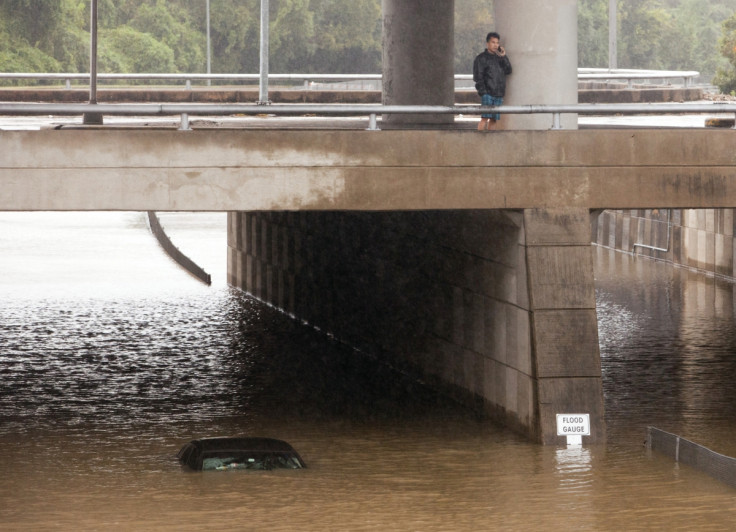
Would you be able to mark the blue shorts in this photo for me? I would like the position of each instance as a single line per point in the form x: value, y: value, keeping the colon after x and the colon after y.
x: 487, y: 99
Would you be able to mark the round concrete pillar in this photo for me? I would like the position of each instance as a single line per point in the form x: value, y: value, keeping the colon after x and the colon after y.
x: 541, y: 38
x: 418, y: 54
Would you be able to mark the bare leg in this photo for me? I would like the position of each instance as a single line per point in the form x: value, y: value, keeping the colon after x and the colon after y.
x: 483, y: 124
x: 491, y: 124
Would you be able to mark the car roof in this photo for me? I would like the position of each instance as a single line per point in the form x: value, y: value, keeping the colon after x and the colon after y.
x: 241, y: 444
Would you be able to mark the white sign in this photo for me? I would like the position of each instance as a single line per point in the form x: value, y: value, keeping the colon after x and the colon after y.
x: 573, y: 424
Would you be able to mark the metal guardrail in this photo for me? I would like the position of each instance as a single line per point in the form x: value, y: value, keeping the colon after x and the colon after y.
x: 718, y: 466
x: 583, y: 74
x: 369, y: 110
x: 630, y: 75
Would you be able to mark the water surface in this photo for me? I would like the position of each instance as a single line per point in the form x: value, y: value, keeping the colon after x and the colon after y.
x: 111, y: 357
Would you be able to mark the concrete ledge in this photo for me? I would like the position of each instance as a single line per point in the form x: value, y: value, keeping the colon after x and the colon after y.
x: 639, y: 95
x: 223, y: 170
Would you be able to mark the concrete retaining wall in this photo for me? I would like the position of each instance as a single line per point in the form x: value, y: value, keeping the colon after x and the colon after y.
x: 698, y: 239
x: 416, y: 289
x: 459, y: 298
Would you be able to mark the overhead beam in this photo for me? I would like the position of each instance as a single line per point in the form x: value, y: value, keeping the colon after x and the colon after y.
x: 223, y: 170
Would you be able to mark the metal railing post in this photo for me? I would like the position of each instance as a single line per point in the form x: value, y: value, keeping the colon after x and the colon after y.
x: 184, y: 125
x: 372, y: 123
x: 209, y: 53
x: 263, y: 86
x: 556, y: 123
x: 92, y: 118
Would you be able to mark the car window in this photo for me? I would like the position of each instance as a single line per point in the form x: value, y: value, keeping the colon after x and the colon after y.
x: 256, y: 461
x: 286, y: 461
x: 226, y: 461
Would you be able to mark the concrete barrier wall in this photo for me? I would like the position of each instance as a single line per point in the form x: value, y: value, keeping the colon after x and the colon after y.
x: 441, y: 294
x: 495, y: 307
x: 698, y: 239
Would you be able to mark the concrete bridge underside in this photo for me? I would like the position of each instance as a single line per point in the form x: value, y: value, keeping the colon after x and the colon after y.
x: 464, y: 257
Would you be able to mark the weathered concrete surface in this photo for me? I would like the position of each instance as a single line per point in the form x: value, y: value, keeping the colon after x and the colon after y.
x: 701, y: 240
x: 542, y: 43
x: 243, y: 170
x: 563, y: 323
x: 495, y: 307
x: 418, y: 55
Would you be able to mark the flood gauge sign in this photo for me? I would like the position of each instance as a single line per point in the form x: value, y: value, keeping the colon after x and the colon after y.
x: 574, y: 427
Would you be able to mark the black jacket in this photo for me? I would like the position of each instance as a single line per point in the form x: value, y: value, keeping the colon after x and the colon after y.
x: 489, y: 73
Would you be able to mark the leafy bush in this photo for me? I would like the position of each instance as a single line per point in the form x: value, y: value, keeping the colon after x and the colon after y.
x: 125, y: 49
x: 726, y: 77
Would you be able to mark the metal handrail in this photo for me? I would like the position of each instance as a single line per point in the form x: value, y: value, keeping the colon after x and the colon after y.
x: 370, y: 110
x: 583, y: 74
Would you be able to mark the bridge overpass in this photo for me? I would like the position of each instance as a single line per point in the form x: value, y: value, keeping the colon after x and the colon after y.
x: 461, y: 256
x: 269, y: 170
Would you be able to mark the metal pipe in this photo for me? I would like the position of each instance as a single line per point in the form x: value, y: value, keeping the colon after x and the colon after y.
x: 612, y: 34
x: 263, y: 87
x: 209, y: 56
x: 90, y: 117
x: 17, y: 108
x: 93, y: 52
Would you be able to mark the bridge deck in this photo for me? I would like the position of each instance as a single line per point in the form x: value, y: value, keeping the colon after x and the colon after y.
x: 287, y: 169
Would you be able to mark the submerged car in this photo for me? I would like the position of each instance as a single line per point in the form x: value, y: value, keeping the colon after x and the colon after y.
x: 226, y: 454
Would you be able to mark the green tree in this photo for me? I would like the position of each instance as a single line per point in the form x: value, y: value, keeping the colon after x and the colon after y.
x: 234, y: 27
x: 726, y: 76
x: 172, y: 28
x: 347, y: 36
x: 593, y: 33
x: 644, y: 30
x: 697, y: 28
x: 291, y: 35
x: 42, y: 36
x: 473, y: 21
x: 125, y: 49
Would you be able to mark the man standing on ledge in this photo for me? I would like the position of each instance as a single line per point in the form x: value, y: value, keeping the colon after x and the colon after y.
x: 490, y: 69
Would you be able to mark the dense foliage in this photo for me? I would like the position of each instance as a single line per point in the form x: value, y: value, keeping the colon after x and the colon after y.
x: 336, y: 35
x: 726, y: 76
x: 656, y: 34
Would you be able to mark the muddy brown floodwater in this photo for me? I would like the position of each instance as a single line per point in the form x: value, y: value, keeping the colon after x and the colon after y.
x: 111, y: 358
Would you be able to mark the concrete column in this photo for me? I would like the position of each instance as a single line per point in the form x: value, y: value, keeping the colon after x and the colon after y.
x: 541, y: 40
x: 563, y: 323
x: 418, y: 50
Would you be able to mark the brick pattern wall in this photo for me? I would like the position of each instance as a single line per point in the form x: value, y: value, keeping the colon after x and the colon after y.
x: 699, y: 239
x: 443, y: 294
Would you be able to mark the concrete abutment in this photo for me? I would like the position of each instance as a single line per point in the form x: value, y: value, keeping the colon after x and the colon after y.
x: 495, y: 307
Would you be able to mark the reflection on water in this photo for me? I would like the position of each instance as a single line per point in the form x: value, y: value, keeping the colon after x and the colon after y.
x: 668, y: 345
x: 111, y: 358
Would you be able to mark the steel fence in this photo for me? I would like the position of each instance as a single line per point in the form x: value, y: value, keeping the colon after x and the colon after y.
x: 716, y: 465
